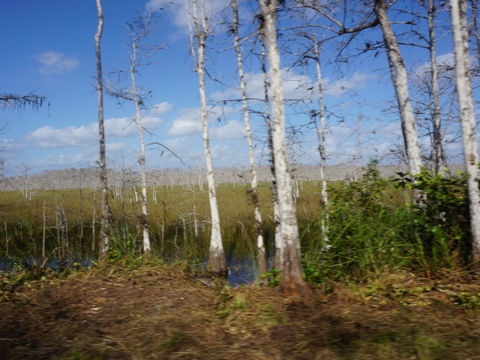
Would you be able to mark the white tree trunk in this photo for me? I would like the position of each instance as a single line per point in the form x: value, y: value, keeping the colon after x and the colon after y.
x: 141, y: 159
x: 321, y: 147
x: 292, y: 281
x: 399, y: 79
x: 467, y: 118
x: 262, y: 265
x: 279, y: 241
x: 216, y: 260
x: 475, y: 29
x: 105, y: 224
x: 94, y: 219
x: 438, y: 154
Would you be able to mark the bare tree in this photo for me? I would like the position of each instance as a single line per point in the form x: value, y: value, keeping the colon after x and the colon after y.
x: 105, y: 223
x: 262, y: 265
x: 199, y: 31
x: 438, y: 153
x: 399, y: 77
x: 27, y: 191
x: 292, y: 281
x: 430, y: 79
x: 279, y: 240
x: 360, y: 13
x: 458, y: 10
x: 140, y: 54
x: 137, y: 32
x: 8, y: 101
x: 321, y: 141
x: 475, y: 29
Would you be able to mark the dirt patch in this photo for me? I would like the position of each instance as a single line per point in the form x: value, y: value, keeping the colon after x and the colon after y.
x: 159, y: 312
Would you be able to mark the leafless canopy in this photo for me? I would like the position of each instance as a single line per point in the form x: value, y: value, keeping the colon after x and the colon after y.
x: 17, y: 101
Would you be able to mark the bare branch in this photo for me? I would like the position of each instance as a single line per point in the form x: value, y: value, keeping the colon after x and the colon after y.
x: 168, y: 149
x: 15, y: 101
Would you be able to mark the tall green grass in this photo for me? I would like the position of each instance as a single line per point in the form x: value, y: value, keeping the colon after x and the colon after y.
x: 66, y: 221
x: 373, y: 232
x: 373, y: 227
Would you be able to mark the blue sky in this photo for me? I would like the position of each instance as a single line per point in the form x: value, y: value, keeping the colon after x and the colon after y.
x: 48, y: 48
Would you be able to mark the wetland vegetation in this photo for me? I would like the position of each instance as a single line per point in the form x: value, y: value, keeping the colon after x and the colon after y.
x: 394, y: 283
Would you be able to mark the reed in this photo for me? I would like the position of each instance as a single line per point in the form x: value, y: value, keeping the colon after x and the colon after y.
x: 372, y: 227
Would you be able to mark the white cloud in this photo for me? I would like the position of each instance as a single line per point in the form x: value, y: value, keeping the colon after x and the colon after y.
x: 49, y: 137
x: 73, y: 136
x: 123, y: 127
x: 390, y: 131
x: 56, y: 160
x: 119, y: 127
x: 447, y: 59
x: 213, y: 9
x: 344, y: 85
x: 117, y: 146
x: 296, y: 86
x: 178, y: 144
x: 231, y: 130
x: 183, y: 147
x: 5, y: 143
x: 150, y: 123
x: 53, y: 62
x: 176, y: 8
x: 188, y: 123
x: 160, y: 109
x: 445, y: 62
x: 229, y: 155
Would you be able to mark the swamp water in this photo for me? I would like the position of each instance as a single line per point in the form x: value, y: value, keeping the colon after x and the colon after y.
x: 240, y: 271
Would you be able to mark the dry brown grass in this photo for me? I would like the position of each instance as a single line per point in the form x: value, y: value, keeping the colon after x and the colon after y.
x: 162, y: 312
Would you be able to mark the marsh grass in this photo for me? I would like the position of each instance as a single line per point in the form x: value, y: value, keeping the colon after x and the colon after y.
x: 373, y: 228
x: 62, y: 224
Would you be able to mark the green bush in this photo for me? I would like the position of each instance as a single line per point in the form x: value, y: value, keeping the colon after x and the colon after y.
x: 370, y: 233
x: 440, y: 218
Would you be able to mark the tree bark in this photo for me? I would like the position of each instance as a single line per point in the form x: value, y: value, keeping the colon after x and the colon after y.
x: 399, y: 79
x: 216, y: 259
x: 292, y: 282
x: 105, y: 222
x: 475, y: 29
x: 144, y: 217
x: 261, y: 260
x: 279, y: 241
x: 458, y: 10
x: 438, y: 153
x: 321, y: 145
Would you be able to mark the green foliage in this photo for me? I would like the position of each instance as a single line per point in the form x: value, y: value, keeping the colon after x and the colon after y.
x: 228, y: 302
x: 467, y: 300
x: 371, y: 233
x: 441, y: 218
x: 365, y: 233
x: 367, y: 195
x: 273, y: 277
x: 371, y: 230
